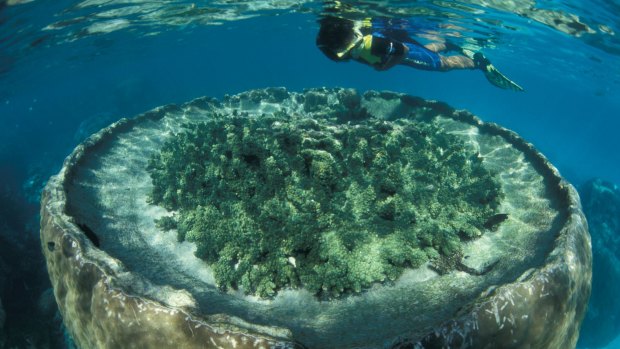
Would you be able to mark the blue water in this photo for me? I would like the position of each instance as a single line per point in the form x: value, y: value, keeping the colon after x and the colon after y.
x: 57, y: 86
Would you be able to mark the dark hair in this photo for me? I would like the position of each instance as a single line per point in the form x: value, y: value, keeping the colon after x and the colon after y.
x: 334, y: 36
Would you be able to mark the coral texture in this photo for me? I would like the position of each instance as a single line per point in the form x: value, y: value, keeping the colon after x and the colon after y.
x: 285, y: 201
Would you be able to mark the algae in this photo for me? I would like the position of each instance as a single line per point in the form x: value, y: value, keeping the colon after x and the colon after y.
x: 286, y: 201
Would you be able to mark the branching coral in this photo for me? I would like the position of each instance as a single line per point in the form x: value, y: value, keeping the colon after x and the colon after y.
x: 286, y: 201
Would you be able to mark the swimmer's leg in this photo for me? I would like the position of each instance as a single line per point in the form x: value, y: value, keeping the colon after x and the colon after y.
x: 420, y: 57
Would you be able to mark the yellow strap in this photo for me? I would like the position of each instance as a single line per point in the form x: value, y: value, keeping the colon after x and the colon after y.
x: 364, y: 51
x: 360, y: 41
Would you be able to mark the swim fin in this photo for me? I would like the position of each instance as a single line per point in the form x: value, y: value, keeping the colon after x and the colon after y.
x: 490, y: 72
x: 493, y: 75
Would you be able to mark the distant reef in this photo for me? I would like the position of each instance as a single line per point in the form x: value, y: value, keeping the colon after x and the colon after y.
x: 601, y: 205
x: 2, y: 318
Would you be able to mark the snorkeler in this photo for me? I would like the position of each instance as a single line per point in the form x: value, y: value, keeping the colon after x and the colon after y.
x: 375, y: 43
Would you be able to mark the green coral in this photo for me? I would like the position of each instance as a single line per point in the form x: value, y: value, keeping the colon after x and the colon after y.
x: 282, y: 201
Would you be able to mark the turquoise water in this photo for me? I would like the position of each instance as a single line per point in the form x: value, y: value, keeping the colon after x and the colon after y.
x: 68, y: 68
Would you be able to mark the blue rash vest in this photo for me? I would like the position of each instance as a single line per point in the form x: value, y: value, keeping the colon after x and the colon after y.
x: 384, y: 39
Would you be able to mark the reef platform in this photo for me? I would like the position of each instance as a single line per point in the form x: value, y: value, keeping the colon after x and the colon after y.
x: 519, y: 277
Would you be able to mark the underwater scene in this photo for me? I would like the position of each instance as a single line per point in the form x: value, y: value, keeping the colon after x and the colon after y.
x: 309, y: 174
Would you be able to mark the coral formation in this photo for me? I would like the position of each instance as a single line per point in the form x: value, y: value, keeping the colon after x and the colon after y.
x: 601, y: 205
x: 288, y: 201
x: 2, y: 316
x: 137, y: 287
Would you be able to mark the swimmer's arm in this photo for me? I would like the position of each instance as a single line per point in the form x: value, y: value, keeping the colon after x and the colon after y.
x: 392, y: 52
x: 395, y: 59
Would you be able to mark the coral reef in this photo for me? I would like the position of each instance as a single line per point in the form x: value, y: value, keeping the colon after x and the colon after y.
x: 3, y: 278
x: 23, y: 279
x: 2, y: 318
x: 601, y: 204
x: 524, y: 283
x: 288, y: 201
